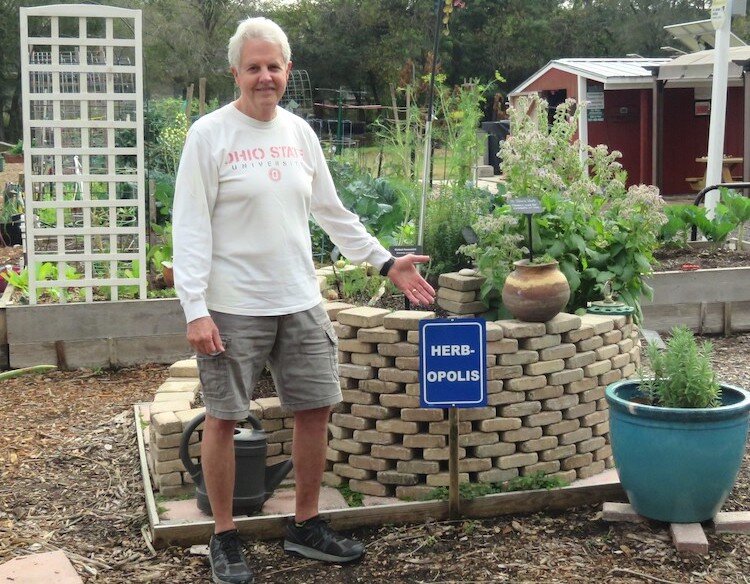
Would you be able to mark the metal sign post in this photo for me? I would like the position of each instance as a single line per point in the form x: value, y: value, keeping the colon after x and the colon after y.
x: 452, y: 372
x: 527, y: 206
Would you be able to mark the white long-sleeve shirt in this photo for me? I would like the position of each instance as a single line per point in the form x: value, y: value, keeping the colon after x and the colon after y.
x: 244, y: 193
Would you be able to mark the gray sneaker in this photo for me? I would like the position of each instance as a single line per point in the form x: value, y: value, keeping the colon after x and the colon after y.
x: 227, y: 558
x: 316, y: 540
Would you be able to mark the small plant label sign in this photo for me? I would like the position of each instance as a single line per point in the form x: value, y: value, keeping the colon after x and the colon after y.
x: 525, y: 205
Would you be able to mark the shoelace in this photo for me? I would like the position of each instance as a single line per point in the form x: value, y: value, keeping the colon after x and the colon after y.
x: 232, y: 547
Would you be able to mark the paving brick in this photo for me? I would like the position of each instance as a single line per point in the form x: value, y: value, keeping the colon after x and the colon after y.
x: 413, y: 389
x: 557, y: 453
x: 166, y: 423
x: 415, y: 493
x: 425, y: 440
x: 392, y: 451
x: 590, y: 470
x: 580, y: 360
x: 443, y: 479
x: 371, y: 360
x: 398, y: 349
x: 168, y: 406
x: 542, y: 342
x: 374, y: 437
x: 500, y: 424
x: 356, y: 371
x: 519, y: 410
x: 582, y: 385
x: 566, y: 476
x: 619, y: 361
x: 577, y: 461
x: 344, y: 331
x: 353, y: 422
x: 347, y: 382
x: 393, y: 477
x: 412, y: 337
x: 373, y: 488
x: 179, y: 385
x: 184, y: 368
x: 493, y: 450
x: 595, y: 419
x: 603, y: 453
x: 356, y: 346
x: 516, y: 329
x: 454, y: 281
x: 564, y: 377
x: 601, y: 323
x: 379, y: 334
x: 610, y: 377
x: 418, y: 466
x: 363, y: 316
x: 562, y: 323
x: 592, y: 394
x: 474, y: 464
x: 590, y: 344
x: 171, y: 479
x: 272, y: 424
x: 583, y: 333
x: 575, y: 436
x: 542, y: 419
x: 462, y: 308
x: 560, y: 403
x: 473, y: 414
x: 354, y: 396
x: 520, y: 357
x: 166, y: 467
x: 505, y: 397
x: 478, y: 439
x: 332, y: 455
x: 456, y: 295
x: 407, y: 320
x: 422, y: 414
x: 397, y: 426
x: 564, y: 351
x: 597, y: 368
x: 516, y: 460
x: 441, y: 453
x: 369, y: 462
x: 187, y: 416
x: 628, y: 370
x: 625, y: 345
x: 398, y: 400
x: 499, y: 372
x: 522, y: 434
x: 408, y: 363
x: 502, y: 346
x: 543, y: 367
x: 344, y: 357
x: 494, y: 332
x: 547, y: 467
x: 732, y: 522
x: 544, y: 443
x: 380, y: 386
x: 607, y: 352
x: 444, y: 427
x: 546, y: 392
x: 590, y: 445
x: 526, y: 383
x: 497, y: 475
x: 602, y: 405
x: 617, y: 512
x: 689, y: 538
x: 333, y: 308
x: 562, y: 427
x: 284, y: 435
x: 351, y: 472
x: 350, y: 446
x: 398, y: 375
x: 578, y: 411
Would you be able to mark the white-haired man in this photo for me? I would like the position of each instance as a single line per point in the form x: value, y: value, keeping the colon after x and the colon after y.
x: 250, y: 176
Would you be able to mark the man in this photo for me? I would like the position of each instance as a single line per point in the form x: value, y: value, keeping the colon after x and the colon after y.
x: 250, y: 175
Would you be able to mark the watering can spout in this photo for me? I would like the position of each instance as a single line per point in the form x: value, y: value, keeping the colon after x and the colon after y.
x: 275, y: 474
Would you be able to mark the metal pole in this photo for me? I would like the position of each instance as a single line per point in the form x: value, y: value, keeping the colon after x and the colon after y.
x: 723, y: 25
x: 454, y: 498
x: 428, y: 128
x: 340, y: 123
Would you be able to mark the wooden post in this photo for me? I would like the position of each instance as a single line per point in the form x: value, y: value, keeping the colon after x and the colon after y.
x: 189, y: 100
x: 201, y: 96
x: 152, y: 218
x: 454, y: 498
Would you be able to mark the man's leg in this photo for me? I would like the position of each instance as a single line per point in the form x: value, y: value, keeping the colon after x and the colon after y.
x: 309, y: 454
x: 217, y: 462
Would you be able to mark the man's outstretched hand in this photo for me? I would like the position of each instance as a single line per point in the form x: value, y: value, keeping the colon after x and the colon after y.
x: 406, y: 277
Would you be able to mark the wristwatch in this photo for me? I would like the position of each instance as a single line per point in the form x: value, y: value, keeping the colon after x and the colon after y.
x: 387, y: 266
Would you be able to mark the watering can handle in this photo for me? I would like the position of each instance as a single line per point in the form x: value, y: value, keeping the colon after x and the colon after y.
x: 192, y: 468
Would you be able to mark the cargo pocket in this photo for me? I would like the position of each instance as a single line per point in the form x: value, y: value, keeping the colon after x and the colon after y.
x: 213, y: 371
x: 334, y: 341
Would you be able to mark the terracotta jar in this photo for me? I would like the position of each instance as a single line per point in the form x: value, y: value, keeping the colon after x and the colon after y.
x: 535, y: 292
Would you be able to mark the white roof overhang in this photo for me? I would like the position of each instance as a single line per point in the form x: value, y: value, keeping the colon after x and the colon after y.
x: 700, y: 66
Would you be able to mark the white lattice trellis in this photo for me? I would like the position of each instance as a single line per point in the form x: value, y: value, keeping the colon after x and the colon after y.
x: 83, y: 143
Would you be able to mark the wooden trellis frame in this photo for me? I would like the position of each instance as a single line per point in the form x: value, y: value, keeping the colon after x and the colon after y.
x: 82, y: 83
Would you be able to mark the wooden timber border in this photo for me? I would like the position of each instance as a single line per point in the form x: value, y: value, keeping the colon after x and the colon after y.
x: 715, y: 300
x: 186, y: 533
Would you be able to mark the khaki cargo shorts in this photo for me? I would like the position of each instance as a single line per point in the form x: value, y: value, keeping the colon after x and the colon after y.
x: 301, y: 350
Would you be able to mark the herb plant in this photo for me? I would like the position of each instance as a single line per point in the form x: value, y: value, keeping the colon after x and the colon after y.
x: 683, y: 374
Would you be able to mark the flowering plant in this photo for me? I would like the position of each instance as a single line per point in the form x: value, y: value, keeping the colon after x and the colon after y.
x: 596, y: 228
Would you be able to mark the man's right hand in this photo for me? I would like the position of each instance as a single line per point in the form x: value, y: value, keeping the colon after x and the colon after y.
x: 203, y: 336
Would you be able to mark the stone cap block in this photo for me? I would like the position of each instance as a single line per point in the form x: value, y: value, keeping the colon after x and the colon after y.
x: 562, y: 323
x: 169, y: 406
x: 187, y: 416
x: 516, y: 329
x: 601, y: 323
x: 494, y: 332
x: 271, y: 407
x: 184, y: 368
x: 407, y: 320
x: 455, y: 281
x: 166, y: 423
x: 179, y: 385
x: 363, y: 316
x: 333, y: 308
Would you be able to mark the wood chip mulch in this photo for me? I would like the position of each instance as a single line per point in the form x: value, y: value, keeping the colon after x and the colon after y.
x: 70, y: 480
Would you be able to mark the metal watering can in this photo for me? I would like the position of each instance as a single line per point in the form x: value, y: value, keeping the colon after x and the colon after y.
x: 254, y: 482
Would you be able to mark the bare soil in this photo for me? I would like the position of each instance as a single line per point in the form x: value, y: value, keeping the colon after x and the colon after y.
x: 711, y: 257
x: 70, y: 480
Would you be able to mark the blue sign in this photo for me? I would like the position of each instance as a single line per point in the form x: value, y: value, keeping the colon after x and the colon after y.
x: 453, y: 363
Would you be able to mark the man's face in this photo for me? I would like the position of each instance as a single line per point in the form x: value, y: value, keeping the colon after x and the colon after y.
x: 261, y: 77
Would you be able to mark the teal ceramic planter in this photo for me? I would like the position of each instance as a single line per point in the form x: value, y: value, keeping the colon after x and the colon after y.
x: 677, y: 464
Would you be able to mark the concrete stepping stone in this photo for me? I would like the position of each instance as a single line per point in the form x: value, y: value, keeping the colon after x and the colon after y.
x: 40, y: 569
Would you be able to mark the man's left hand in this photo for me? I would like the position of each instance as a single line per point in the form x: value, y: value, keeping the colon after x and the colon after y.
x: 406, y: 277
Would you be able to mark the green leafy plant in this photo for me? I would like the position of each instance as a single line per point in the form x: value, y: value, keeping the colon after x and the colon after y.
x: 352, y: 498
x: 683, y: 376
x: 162, y: 251
x: 542, y: 259
x: 17, y: 148
x: 738, y: 210
x: 355, y: 284
x: 468, y: 491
